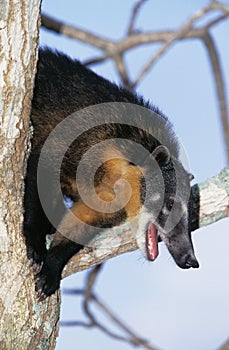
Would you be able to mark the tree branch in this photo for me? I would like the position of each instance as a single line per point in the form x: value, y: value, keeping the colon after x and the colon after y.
x: 112, y: 47
x: 75, y: 33
x: 217, y: 5
x: 134, y: 14
x: 225, y: 346
x: 180, y: 34
x: 211, y: 203
x: 220, y: 88
x: 90, y: 297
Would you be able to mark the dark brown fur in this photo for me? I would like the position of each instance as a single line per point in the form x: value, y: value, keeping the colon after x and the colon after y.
x: 64, y: 86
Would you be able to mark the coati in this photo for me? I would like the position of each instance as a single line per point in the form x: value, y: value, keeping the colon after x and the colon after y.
x: 132, y: 143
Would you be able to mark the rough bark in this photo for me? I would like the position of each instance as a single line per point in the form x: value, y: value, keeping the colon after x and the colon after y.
x: 21, y: 317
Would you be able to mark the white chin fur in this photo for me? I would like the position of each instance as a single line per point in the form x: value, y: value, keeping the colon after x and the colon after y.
x: 140, y: 228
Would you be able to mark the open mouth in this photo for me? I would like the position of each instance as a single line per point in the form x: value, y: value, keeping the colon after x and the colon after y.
x: 185, y: 260
x: 152, y: 242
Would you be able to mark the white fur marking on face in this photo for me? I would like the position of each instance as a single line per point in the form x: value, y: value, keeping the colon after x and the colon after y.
x: 144, y: 218
x: 184, y: 207
x: 164, y: 210
x: 155, y: 197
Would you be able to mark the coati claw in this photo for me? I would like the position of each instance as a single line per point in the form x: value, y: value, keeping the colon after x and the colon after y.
x: 46, y: 283
x: 36, y: 259
x: 40, y: 287
x: 41, y: 296
x: 37, y: 267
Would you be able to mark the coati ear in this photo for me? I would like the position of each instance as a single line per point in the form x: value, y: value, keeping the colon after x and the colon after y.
x: 162, y: 155
x: 190, y: 177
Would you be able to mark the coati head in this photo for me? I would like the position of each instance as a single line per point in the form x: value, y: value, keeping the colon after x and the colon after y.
x: 165, y: 211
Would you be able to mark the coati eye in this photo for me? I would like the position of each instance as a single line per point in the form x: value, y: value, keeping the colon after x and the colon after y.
x: 169, y: 204
x: 131, y: 163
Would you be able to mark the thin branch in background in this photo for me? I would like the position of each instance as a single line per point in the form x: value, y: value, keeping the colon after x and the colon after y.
x: 134, y: 14
x: 74, y: 32
x: 122, y: 71
x: 214, y: 22
x: 90, y: 284
x: 96, y: 60
x: 119, y: 64
x: 89, y: 296
x: 225, y: 346
x: 220, y: 88
x: 112, y: 48
x: 115, y: 50
x: 217, y: 5
x: 177, y: 35
x: 76, y: 323
x: 133, y: 338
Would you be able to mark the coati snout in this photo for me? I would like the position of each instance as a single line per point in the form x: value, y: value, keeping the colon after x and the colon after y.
x: 165, y: 213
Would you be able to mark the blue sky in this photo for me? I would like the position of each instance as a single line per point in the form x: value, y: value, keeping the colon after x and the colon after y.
x: 173, y: 309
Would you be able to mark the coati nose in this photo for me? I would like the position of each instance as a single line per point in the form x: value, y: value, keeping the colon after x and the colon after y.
x: 191, y: 261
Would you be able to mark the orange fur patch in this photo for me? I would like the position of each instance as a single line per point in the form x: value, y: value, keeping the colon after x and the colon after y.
x: 116, y: 169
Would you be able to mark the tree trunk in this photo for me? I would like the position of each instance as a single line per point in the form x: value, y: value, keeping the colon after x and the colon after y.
x: 21, y: 316
x: 26, y: 323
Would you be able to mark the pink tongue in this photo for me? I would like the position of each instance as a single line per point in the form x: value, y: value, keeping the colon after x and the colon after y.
x: 151, y: 242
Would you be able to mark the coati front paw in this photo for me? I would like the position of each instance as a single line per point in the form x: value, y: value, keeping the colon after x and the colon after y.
x: 48, y: 279
x: 36, y: 248
x: 47, y: 282
x: 36, y: 258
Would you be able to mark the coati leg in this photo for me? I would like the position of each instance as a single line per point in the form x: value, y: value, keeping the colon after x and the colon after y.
x: 72, y: 234
x: 48, y: 279
x: 36, y: 224
x: 77, y: 233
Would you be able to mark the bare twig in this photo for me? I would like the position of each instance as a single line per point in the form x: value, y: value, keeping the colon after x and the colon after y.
x: 122, y: 70
x: 178, y: 35
x: 134, y: 14
x: 214, y: 22
x: 96, y: 60
x: 75, y: 33
x: 116, y: 49
x: 217, y: 5
x: 119, y: 64
x: 132, y: 337
x: 220, y: 88
x: 76, y: 323
x: 90, y: 284
x: 225, y: 346
x: 111, y: 47
x: 89, y: 297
